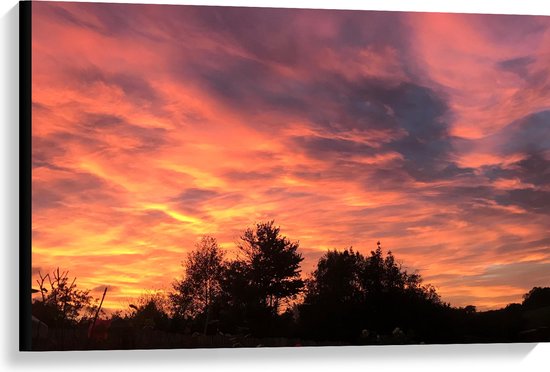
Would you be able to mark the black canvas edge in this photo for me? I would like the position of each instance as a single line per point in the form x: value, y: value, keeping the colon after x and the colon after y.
x: 25, y: 171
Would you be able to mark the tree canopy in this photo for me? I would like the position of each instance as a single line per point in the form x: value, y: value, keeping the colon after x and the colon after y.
x: 201, y: 285
x: 61, y: 302
x: 273, y: 264
x: 349, y: 292
x: 537, y: 297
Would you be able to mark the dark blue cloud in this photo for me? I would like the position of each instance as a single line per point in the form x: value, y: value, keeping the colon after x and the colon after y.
x: 195, y: 196
x: 47, y: 149
x: 519, y: 66
x: 427, y: 146
x: 240, y: 175
x: 418, y: 110
x: 532, y: 200
x: 115, y: 20
x: 250, y: 28
x: 534, y: 169
x: 330, y: 148
x: 413, y: 114
x: 77, y: 188
x: 97, y: 125
x: 527, y: 135
x: 101, y: 120
x: 497, y: 28
x: 248, y: 84
x: 65, y: 16
x: 135, y: 87
x: 289, y: 193
x: 517, y: 244
x: 291, y: 41
x: 522, y: 274
x: 43, y: 197
x: 193, y: 200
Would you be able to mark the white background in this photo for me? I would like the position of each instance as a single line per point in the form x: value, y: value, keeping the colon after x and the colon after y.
x: 496, y: 357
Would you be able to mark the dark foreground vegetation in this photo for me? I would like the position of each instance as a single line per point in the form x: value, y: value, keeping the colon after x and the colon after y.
x: 261, y: 299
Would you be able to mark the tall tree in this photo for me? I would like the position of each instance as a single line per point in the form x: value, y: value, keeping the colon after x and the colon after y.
x: 336, y: 278
x: 273, y: 263
x: 349, y: 292
x: 195, y: 294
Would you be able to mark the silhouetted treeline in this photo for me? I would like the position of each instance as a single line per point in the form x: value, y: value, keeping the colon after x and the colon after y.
x: 356, y: 298
x: 349, y: 299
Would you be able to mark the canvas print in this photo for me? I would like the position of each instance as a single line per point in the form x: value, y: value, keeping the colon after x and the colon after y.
x: 218, y: 177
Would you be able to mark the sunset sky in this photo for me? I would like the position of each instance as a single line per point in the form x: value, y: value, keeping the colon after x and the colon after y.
x: 154, y: 125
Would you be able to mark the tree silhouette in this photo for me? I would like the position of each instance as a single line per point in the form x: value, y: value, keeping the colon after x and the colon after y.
x: 336, y: 279
x: 203, y: 271
x: 150, y: 310
x: 537, y: 297
x: 348, y: 293
x: 333, y: 296
x: 61, y: 302
x: 383, y: 278
x: 273, y: 264
x: 349, y: 298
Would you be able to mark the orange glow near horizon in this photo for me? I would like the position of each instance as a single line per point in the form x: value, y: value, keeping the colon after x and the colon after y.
x: 155, y: 125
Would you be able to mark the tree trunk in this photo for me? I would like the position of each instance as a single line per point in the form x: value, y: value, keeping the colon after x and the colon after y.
x: 207, y: 310
x: 207, y: 319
